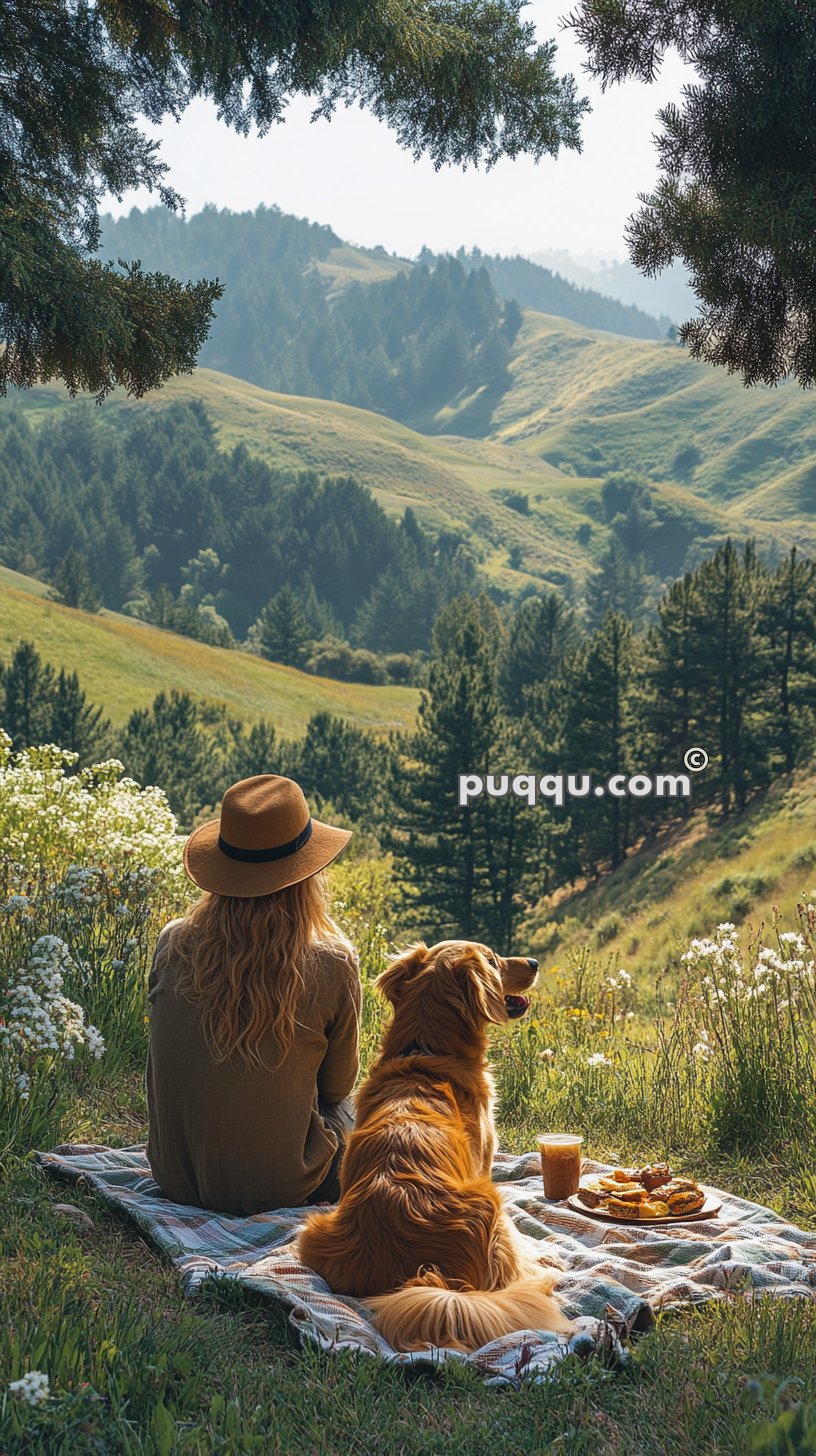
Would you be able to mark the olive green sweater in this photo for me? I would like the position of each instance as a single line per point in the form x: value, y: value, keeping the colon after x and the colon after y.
x: 238, y: 1139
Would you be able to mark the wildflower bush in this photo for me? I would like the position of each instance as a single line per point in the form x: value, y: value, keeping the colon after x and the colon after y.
x: 727, y: 1067
x: 755, y: 1014
x: 51, y: 818
x: 90, y: 868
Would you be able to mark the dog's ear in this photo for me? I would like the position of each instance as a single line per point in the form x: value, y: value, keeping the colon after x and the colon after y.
x: 481, y: 988
x: 392, y: 981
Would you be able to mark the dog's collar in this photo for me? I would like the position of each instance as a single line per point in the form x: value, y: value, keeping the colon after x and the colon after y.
x: 414, y: 1049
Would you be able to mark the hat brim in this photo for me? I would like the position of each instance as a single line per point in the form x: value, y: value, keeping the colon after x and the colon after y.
x: 212, y: 870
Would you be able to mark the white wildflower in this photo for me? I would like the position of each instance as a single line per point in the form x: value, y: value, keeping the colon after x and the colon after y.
x: 14, y: 903
x: 599, y: 1059
x: 32, y: 1387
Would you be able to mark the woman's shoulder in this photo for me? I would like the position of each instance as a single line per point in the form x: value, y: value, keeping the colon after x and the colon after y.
x: 165, y: 936
x: 337, y: 956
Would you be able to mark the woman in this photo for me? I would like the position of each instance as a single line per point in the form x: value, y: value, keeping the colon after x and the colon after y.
x: 254, y: 1013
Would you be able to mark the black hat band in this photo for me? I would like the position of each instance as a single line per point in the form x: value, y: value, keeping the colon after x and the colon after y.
x: 263, y: 856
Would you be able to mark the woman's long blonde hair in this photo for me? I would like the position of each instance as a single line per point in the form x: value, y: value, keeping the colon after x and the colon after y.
x: 241, y: 961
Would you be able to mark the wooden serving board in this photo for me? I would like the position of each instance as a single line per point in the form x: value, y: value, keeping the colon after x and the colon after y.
x: 710, y: 1209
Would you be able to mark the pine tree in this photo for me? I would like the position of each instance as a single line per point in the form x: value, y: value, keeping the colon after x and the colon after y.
x: 600, y: 736
x: 72, y: 584
x: 39, y: 706
x: 743, y: 135
x: 730, y: 684
x: 343, y: 764
x: 166, y: 745
x: 670, y: 703
x: 788, y: 625
x: 76, y: 723
x: 320, y: 619
x: 391, y: 619
x: 542, y: 631
x: 27, y: 686
x: 282, y: 630
x: 257, y: 751
x: 440, y: 848
x: 618, y: 586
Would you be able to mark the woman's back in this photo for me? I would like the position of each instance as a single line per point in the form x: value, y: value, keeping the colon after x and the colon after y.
x: 238, y: 1137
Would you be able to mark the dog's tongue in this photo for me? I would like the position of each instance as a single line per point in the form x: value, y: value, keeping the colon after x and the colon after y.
x: 516, y: 1005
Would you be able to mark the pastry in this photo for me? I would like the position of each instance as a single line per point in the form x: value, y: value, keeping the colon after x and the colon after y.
x: 624, y: 1207
x: 655, y: 1175
x: 630, y: 1193
x: 651, y: 1192
x: 617, y: 1185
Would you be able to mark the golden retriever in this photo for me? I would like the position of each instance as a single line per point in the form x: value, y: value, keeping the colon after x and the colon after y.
x: 420, y: 1233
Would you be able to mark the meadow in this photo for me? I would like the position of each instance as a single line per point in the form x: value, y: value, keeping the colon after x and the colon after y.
x: 717, y: 1074
x: 751, y: 868
x: 123, y: 664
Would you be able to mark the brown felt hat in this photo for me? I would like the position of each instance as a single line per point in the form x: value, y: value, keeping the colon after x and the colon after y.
x: 264, y: 840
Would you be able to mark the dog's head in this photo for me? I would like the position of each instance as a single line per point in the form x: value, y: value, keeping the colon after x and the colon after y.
x: 462, y: 977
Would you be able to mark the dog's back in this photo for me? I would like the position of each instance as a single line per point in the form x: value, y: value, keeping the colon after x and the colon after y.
x: 409, y: 1196
x: 420, y: 1232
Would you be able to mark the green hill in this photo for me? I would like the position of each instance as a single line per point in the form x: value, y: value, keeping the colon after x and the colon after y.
x: 122, y: 665
x: 691, y: 879
x: 593, y: 402
x: 433, y: 348
x: 533, y: 286
x: 518, y: 472
x: 450, y: 482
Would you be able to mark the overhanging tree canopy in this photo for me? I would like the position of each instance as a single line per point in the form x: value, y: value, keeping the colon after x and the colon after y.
x: 461, y: 81
x: 737, y: 196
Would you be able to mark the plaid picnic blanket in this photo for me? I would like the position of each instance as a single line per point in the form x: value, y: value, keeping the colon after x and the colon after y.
x: 616, y: 1275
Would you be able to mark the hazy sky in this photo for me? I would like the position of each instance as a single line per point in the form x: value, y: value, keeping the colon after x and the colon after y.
x: 350, y: 172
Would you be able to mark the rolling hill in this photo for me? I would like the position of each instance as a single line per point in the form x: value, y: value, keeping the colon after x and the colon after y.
x: 691, y: 879
x: 591, y: 402
x: 122, y: 665
x: 580, y: 403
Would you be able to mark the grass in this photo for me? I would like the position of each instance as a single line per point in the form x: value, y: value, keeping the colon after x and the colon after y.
x: 122, y: 665
x: 347, y: 264
x: 691, y: 879
x: 137, y: 1369
x: 597, y: 402
x: 448, y: 482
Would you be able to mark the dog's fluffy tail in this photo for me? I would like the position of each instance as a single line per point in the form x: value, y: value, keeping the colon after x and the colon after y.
x: 426, y: 1311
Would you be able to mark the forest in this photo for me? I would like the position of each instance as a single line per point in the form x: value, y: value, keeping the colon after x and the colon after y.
x: 729, y: 664
x: 403, y: 346
x: 533, y: 286
x: 158, y: 522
